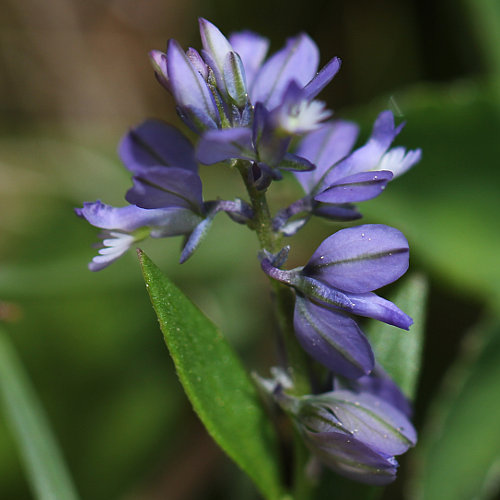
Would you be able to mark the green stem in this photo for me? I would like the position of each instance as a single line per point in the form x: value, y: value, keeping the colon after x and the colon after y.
x: 262, y: 222
x: 272, y: 241
x: 297, y: 361
x: 304, y: 485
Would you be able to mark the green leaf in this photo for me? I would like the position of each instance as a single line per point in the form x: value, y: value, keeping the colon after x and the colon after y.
x: 45, y: 468
x: 216, y: 383
x: 398, y: 351
x: 459, y: 451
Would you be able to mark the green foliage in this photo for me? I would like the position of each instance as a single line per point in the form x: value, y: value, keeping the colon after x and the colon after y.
x: 397, y: 351
x: 459, y: 453
x: 42, y: 460
x: 216, y: 383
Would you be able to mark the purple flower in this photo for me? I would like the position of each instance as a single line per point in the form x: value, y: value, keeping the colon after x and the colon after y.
x: 166, y: 197
x: 355, y: 429
x: 165, y: 172
x: 374, y: 156
x: 296, y: 62
x: 341, y: 177
x: 262, y: 144
x: 337, y: 283
x: 246, y: 107
x: 281, y: 90
x: 209, y: 88
x: 357, y: 434
x: 124, y: 226
x: 184, y: 78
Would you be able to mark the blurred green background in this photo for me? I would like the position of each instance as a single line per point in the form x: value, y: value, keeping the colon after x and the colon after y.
x: 75, y: 75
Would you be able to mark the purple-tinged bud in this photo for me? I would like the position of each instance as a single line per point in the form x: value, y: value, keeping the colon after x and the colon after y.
x: 216, y: 49
x: 198, y: 62
x: 159, y: 62
x: 190, y: 90
x: 252, y: 48
x: 355, y: 434
x: 234, y: 79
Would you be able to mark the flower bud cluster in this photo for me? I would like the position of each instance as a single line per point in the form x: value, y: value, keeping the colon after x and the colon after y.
x: 260, y: 114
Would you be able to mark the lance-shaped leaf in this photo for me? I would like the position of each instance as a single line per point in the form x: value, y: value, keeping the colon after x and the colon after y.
x: 360, y: 259
x: 45, y: 468
x: 216, y: 383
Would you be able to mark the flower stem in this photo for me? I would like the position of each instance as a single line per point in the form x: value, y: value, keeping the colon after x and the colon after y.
x: 262, y: 222
x: 272, y: 241
x: 297, y: 362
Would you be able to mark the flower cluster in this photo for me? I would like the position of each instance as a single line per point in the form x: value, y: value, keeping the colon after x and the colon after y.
x: 260, y: 115
x: 337, y: 283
